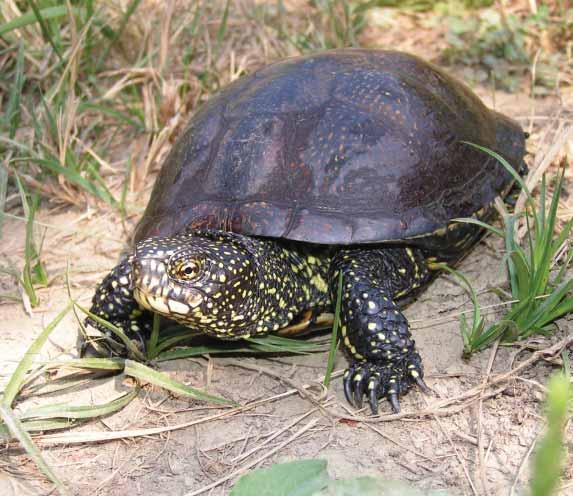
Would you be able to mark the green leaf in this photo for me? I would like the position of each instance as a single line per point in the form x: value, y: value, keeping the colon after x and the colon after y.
x: 90, y: 363
x: 522, y: 274
x: 12, y: 112
x: 63, y: 410
x: 548, y: 461
x: 298, y: 478
x: 470, y: 220
x: 506, y: 165
x: 145, y: 373
x: 151, y: 347
x: 38, y: 426
x: 111, y: 112
x: 334, y: 337
x: 30, y: 17
x: 76, y: 178
x: 193, y: 351
x: 46, y: 33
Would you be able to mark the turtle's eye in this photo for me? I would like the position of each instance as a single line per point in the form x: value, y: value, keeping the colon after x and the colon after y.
x: 187, y: 270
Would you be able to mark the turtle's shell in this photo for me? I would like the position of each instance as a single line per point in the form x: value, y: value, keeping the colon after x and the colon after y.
x: 345, y: 146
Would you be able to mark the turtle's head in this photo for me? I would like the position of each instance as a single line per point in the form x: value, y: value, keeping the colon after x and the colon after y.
x: 207, y: 280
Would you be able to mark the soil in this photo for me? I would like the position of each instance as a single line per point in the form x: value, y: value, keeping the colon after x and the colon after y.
x: 482, y: 447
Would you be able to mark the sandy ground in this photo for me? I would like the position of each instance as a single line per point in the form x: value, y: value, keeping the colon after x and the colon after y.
x: 471, y: 447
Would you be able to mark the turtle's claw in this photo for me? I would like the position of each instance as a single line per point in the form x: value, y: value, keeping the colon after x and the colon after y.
x: 395, y: 402
x: 348, y: 387
x: 422, y: 385
x: 373, y: 396
x: 379, y: 380
x: 358, y: 391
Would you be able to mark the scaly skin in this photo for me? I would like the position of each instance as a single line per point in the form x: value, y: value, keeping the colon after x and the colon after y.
x: 375, y: 333
x: 232, y: 286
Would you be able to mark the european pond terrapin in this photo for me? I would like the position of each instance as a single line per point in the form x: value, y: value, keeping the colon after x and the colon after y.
x: 348, y: 161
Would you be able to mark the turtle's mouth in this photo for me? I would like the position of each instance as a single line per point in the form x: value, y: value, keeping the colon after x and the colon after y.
x: 153, y: 290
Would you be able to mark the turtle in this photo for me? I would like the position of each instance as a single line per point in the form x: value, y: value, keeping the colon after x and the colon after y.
x: 344, y: 167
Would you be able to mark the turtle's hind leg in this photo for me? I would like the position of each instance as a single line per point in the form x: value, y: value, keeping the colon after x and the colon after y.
x: 113, y: 301
x: 375, y: 333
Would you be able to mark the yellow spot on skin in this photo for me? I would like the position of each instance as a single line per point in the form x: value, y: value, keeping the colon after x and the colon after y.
x: 158, y: 304
x: 178, y: 307
x: 318, y: 281
x: 371, y: 326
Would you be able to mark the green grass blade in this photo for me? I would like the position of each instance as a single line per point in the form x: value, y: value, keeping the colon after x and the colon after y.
x: 3, y: 193
x: 76, y: 178
x: 45, y: 29
x: 279, y: 344
x: 30, y: 17
x: 470, y: 335
x: 551, y: 308
x: 19, y: 432
x: 111, y: 112
x: 170, y: 342
x: 80, y: 380
x: 564, y: 266
x: 543, y: 242
x: 89, y: 363
x: 334, y: 337
x: 12, y: 112
x: 65, y: 411
x: 19, y: 376
x: 522, y: 275
x: 506, y: 165
x: 145, y: 373
x: 470, y: 220
x: 541, y: 211
x: 193, y: 351
x: 222, y: 27
x: 560, y: 310
x: 548, y: 461
x: 36, y: 426
x: 29, y: 211
x: 154, y: 338
x: 511, y: 247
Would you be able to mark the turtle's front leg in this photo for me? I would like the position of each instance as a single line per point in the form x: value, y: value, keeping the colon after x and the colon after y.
x: 114, y: 302
x: 375, y: 333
